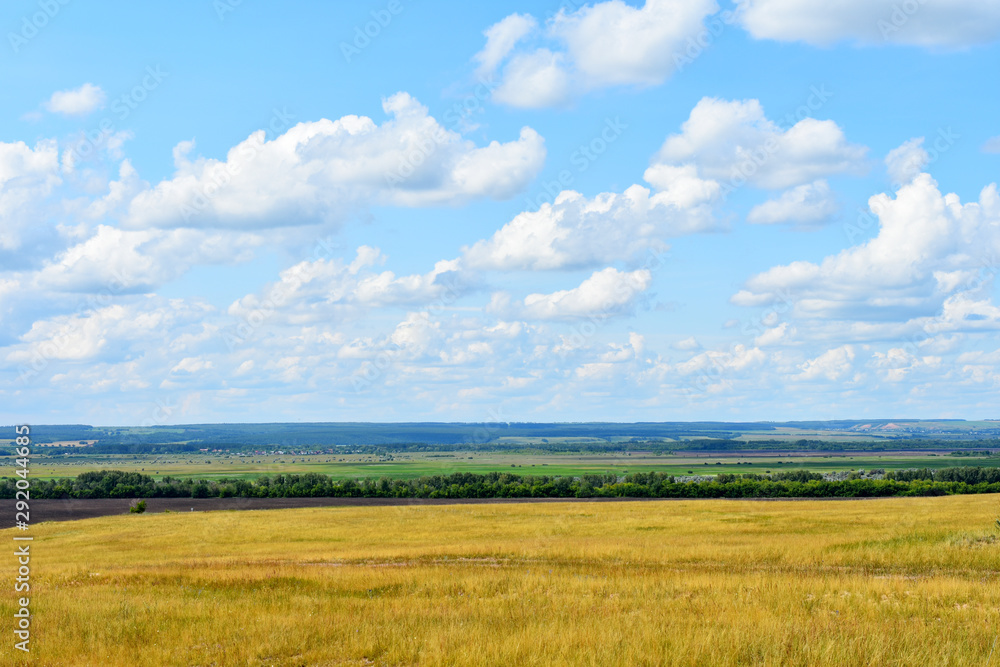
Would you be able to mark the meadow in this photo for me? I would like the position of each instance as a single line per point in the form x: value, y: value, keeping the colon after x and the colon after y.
x: 894, y: 581
x: 412, y: 465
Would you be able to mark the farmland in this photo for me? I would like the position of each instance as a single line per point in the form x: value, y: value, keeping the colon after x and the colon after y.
x: 407, y: 465
x: 892, y: 581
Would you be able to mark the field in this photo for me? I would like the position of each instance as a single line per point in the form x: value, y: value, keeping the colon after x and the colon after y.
x: 898, y: 582
x: 409, y: 465
x: 326, y: 434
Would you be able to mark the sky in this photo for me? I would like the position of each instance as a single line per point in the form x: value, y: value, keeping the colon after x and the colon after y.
x: 239, y: 211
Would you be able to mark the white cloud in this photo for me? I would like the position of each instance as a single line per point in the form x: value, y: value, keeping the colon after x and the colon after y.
x: 534, y: 81
x: 689, y: 343
x: 775, y: 335
x: 577, y: 232
x: 812, y: 203
x: 595, y: 46
x: 605, y: 293
x: 117, y: 261
x: 106, y: 332
x: 992, y: 145
x: 964, y: 312
x: 314, y: 291
x: 734, y: 142
x: 897, y: 363
x: 612, y: 43
x: 834, y: 364
x: 326, y: 321
x: 943, y: 23
x: 77, y: 102
x: 317, y: 171
x: 27, y: 177
x: 716, y: 364
x: 501, y: 38
x: 244, y: 368
x: 386, y: 288
x: 418, y: 336
x: 192, y: 365
x: 906, y: 161
x: 929, y: 249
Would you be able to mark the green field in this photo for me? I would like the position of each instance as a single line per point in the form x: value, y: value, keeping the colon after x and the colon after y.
x: 410, y: 465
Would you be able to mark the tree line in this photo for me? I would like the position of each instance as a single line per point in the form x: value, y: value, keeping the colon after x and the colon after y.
x: 791, y: 484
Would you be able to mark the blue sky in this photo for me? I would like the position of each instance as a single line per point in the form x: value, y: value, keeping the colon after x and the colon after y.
x: 387, y: 211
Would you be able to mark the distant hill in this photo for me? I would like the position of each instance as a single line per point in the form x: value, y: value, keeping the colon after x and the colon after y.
x: 553, y: 436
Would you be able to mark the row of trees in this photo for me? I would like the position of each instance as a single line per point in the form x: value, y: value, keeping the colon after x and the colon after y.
x: 793, y: 484
x: 966, y: 474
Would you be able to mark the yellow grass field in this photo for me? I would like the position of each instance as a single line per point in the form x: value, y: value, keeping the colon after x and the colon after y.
x: 877, y: 582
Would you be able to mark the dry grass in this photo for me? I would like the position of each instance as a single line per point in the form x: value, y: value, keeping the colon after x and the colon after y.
x: 886, y: 582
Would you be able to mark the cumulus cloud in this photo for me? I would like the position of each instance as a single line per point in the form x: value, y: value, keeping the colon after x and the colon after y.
x: 965, y: 311
x: 244, y: 368
x: 317, y: 170
x: 108, y: 332
x: 907, y: 160
x: 897, y: 363
x: 579, y: 232
x: 76, y: 102
x: 595, y: 46
x: 27, y: 177
x: 929, y: 250
x: 720, y: 146
x: 501, y: 38
x: 834, y: 364
x: 534, y: 81
x: 117, y: 261
x: 605, y: 293
x: 689, y: 343
x: 947, y: 23
x: 992, y: 145
x: 418, y: 336
x: 321, y: 318
x: 775, y: 335
x: 734, y: 142
x: 808, y: 204
x: 612, y: 43
x: 192, y: 365
x: 715, y: 370
x: 314, y: 290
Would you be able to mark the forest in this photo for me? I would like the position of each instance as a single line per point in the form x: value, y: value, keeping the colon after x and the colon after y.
x: 790, y: 484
